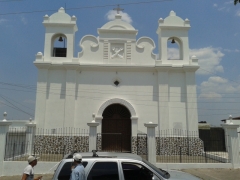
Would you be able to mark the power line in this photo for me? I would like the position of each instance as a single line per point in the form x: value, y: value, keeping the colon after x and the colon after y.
x: 17, y: 109
x: 17, y: 102
x: 88, y: 7
x: 34, y: 87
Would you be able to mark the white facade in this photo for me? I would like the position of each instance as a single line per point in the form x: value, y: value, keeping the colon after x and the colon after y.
x: 70, y: 90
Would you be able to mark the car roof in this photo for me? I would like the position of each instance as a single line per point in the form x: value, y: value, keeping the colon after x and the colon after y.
x: 110, y: 155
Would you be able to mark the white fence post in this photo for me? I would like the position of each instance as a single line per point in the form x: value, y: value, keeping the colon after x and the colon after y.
x: 233, y: 144
x: 151, y: 142
x: 92, y: 135
x: 4, y: 127
x: 31, y: 131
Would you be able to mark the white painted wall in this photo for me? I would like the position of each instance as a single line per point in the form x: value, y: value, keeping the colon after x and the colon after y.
x: 11, y: 168
x: 71, y: 89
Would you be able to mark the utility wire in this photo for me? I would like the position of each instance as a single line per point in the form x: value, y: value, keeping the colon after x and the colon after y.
x: 88, y: 7
x: 17, y: 109
x: 33, y: 87
x: 16, y: 102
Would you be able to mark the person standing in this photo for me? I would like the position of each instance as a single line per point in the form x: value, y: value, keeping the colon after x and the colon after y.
x: 78, y: 173
x: 28, y: 173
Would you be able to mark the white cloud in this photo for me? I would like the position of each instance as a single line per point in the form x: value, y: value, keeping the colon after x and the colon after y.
x: 173, y: 53
x: 125, y: 17
x: 24, y: 20
x: 209, y: 59
x: 232, y: 50
x: 238, y: 12
x: 215, y: 5
x: 221, y: 9
x: 2, y: 20
x: 229, y: 2
x: 217, y: 87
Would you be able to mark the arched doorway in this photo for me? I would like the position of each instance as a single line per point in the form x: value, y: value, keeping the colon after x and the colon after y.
x: 116, y: 129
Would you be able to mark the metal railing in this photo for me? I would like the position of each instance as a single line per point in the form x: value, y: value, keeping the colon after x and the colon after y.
x: 48, y: 144
x: 178, y: 146
x: 111, y: 142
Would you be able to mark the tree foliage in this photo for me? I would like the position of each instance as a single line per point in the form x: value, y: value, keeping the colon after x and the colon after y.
x: 236, y: 1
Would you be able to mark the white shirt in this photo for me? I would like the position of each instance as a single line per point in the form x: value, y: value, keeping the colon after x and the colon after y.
x: 29, y: 171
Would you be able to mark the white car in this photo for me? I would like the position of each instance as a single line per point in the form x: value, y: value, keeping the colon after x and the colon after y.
x: 117, y: 166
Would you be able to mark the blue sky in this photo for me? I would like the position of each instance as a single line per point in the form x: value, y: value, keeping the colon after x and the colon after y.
x: 214, y: 37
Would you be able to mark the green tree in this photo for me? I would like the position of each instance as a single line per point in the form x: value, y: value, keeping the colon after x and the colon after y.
x: 236, y: 1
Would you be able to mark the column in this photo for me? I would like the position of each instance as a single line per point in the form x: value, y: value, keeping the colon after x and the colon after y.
x: 70, y: 96
x: 30, y: 138
x: 4, y: 126
x: 134, y: 120
x: 233, y: 144
x: 92, y: 135
x: 163, y: 98
x: 41, y: 97
x: 191, y: 102
x: 151, y: 142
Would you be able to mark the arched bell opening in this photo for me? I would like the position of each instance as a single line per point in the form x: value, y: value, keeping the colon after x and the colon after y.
x: 59, y: 45
x: 116, y: 129
x: 174, y: 49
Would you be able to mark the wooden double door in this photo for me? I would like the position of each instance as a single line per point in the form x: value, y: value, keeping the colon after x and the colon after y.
x: 116, y: 129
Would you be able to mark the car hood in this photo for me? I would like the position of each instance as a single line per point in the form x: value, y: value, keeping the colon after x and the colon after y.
x: 179, y: 175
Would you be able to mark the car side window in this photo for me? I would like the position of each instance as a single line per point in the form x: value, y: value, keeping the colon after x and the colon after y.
x: 66, y: 170
x: 104, y: 171
x: 136, y: 171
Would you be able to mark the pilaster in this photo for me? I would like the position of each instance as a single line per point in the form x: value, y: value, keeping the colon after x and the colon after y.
x: 233, y: 144
x: 41, y: 96
x: 70, y: 96
x: 92, y: 135
x: 151, y: 142
x: 4, y: 127
x: 30, y: 138
x: 191, y: 101
x: 163, y: 98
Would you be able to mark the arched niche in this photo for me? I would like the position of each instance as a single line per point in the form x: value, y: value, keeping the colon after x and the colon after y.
x: 174, y: 48
x: 116, y: 101
x: 59, y: 45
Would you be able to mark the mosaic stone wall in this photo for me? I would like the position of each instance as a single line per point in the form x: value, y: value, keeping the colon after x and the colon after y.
x: 99, y: 143
x: 175, y: 145
x: 134, y: 144
x: 142, y: 145
x: 60, y: 144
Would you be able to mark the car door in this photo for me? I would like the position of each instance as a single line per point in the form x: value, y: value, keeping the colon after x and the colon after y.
x: 133, y: 170
x: 104, y: 170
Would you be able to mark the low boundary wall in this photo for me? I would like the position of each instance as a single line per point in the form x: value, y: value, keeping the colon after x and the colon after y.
x: 12, y: 168
x: 193, y: 165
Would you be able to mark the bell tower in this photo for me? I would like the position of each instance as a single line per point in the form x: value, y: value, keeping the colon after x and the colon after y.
x: 59, y: 35
x: 175, y: 30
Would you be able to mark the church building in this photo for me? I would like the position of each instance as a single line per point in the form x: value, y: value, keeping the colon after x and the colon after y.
x: 116, y: 79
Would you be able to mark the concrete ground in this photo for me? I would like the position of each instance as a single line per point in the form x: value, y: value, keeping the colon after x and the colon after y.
x: 45, y: 177
x: 205, y: 174
x: 215, y: 174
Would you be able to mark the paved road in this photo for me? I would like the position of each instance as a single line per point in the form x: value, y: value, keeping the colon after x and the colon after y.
x: 205, y: 174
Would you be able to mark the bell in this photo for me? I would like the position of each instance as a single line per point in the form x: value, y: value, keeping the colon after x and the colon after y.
x: 60, y: 39
x: 173, y: 41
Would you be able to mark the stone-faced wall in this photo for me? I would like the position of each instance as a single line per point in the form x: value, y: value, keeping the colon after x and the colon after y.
x: 45, y: 144
x: 175, y: 145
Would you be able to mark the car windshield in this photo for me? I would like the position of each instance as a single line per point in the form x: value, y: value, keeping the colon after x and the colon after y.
x: 161, y: 172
